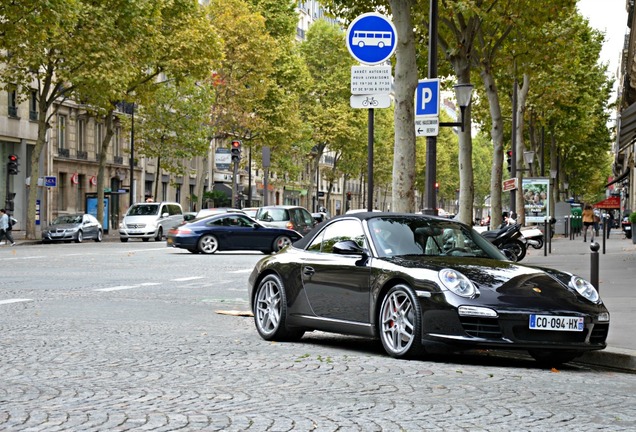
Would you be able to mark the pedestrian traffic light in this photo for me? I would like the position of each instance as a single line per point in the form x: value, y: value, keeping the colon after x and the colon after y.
x: 236, y: 151
x: 12, y: 165
x: 509, y: 160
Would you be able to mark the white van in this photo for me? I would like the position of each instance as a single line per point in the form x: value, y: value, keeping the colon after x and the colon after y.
x: 150, y: 220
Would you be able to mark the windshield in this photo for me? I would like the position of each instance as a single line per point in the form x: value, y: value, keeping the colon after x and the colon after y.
x: 144, y: 210
x: 416, y: 235
x: 67, y: 219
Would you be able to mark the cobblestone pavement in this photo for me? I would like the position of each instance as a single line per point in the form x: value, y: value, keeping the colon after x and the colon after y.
x: 99, y: 357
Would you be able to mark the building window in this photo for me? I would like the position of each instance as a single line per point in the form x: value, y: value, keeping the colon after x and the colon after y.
x: 13, y: 102
x: 61, y: 132
x: 99, y: 136
x: 178, y: 193
x: 116, y: 143
x: 61, y: 192
x: 81, y: 135
x: 164, y: 191
x: 33, y: 106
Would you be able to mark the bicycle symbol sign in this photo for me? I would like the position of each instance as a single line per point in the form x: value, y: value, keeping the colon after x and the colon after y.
x: 371, y: 38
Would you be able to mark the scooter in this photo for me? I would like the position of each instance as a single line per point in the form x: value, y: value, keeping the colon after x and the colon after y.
x: 508, y: 239
x: 626, y: 226
x: 534, y: 236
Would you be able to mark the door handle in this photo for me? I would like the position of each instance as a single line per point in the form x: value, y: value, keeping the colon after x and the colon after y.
x: 308, y: 271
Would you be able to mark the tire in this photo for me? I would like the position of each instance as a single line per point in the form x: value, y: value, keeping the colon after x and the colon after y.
x: 193, y: 251
x: 159, y: 236
x: 270, y: 311
x: 518, y: 248
x: 539, y: 244
x: 123, y: 239
x: 281, y: 242
x: 400, y: 323
x: 79, y: 237
x: 100, y: 236
x: 553, y: 358
x: 145, y: 239
x: 208, y: 244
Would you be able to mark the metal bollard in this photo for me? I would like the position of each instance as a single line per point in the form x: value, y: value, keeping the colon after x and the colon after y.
x: 567, y: 222
x: 594, y: 247
x: 545, y: 237
x: 603, y: 233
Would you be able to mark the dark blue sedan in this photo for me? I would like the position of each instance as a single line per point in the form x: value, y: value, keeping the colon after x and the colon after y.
x: 229, y: 231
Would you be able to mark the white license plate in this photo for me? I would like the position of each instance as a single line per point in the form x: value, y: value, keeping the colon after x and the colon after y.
x: 552, y: 322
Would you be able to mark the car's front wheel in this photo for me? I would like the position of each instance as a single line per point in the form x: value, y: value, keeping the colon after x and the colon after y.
x: 270, y: 311
x: 400, y: 322
x: 281, y: 242
x: 208, y: 244
x: 550, y: 358
x: 79, y: 237
x: 123, y: 239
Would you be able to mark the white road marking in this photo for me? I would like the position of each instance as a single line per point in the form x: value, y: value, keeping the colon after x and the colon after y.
x: 118, y: 288
x: 241, y: 271
x: 14, y: 301
x: 187, y: 279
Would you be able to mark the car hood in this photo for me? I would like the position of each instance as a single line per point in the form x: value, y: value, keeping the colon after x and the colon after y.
x: 501, y: 281
x: 139, y: 219
x: 63, y: 227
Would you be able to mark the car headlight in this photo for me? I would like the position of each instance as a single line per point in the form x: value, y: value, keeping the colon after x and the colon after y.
x: 584, y: 288
x: 457, y: 283
x: 121, y: 225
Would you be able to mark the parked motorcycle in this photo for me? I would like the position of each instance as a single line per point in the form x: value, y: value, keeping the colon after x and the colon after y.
x: 626, y: 226
x: 510, y: 239
x: 534, y: 237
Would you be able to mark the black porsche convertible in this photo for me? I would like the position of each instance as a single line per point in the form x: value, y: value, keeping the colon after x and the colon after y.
x: 414, y: 281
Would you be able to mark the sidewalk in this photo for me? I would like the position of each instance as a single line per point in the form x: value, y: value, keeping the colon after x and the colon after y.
x: 617, y: 286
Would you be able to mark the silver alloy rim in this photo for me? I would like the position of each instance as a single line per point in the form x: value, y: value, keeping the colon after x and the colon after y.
x: 268, y: 307
x: 397, y: 322
x: 209, y: 244
x: 282, y: 242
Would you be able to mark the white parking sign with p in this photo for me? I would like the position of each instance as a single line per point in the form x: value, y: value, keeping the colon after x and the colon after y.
x: 427, y: 97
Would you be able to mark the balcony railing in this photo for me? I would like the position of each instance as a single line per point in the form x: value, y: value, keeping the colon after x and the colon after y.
x: 63, y: 152
x: 82, y: 154
x: 13, y: 111
x: 119, y: 160
x: 33, y: 115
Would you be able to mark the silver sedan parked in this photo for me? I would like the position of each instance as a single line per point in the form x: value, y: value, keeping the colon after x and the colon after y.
x: 73, y: 227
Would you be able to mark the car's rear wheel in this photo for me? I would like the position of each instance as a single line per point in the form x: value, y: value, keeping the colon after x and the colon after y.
x: 550, y: 358
x: 79, y: 237
x: 517, y: 247
x: 400, y: 322
x: 270, y: 311
x: 159, y: 234
x: 208, y: 244
x: 281, y: 242
x: 100, y: 236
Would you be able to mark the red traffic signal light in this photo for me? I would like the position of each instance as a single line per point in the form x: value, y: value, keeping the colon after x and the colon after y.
x: 236, y: 150
x: 12, y: 165
x: 436, y: 185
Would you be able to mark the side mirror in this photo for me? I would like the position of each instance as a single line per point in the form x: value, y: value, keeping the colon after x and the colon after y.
x: 165, y: 215
x: 348, y: 247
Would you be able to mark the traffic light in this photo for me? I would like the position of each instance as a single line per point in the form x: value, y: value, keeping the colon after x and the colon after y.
x: 236, y: 151
x: 12, y: 165
x: 436, y: 187
x: 509, y: 160
x: 348, y: 196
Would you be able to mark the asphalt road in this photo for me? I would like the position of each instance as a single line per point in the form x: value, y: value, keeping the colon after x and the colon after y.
x: 118, y: 337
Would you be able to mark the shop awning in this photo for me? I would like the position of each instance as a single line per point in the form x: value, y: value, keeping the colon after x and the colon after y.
x: 612, y: 202
x: 627, y: 127
x: 619, y: 178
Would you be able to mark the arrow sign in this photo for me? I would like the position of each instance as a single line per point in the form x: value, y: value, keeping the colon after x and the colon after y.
x: 371, y: 38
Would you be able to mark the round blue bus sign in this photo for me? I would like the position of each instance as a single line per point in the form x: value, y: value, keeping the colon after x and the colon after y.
x: 371, y: 38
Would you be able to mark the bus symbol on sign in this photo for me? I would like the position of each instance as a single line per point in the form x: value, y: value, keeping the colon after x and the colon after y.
x: 371, y: 38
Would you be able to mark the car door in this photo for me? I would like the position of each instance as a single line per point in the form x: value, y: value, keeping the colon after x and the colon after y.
x: 88, y: 227
x: 337, y: 286
x: 243, y: 235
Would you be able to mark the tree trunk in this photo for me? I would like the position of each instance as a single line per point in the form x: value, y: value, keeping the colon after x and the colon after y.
x: 496, y: 133
x: 522, y: 96
x: 108, y: 123
x: 43, y: 126
x: 403, y: 199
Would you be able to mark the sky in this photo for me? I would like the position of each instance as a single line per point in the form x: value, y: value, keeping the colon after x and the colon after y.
x: 610, y: 17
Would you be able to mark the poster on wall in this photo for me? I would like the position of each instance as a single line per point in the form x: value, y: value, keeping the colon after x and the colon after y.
x: 91, y: 208
x: 536, y: 198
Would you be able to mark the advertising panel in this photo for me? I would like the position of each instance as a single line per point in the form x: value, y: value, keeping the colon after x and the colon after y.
x: 536, y: 198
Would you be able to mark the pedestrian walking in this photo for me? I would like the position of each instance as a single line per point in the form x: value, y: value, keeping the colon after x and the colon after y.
x: 588, y: 222
x: 5, y: 227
